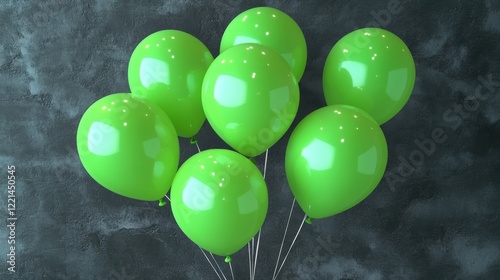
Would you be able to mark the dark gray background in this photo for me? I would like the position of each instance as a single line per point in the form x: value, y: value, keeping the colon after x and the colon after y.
x: 438, y: 220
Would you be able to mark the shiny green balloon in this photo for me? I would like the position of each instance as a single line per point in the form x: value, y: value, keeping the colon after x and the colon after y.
x: 371, y: 69
x: 219, y: 200
x: 272, y: 28
x: 129, y: 146
x: 168, y: 67
x: 250, y: 97
x: 335, y: 158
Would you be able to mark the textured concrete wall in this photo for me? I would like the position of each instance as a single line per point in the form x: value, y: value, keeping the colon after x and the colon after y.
x: 439, y: 220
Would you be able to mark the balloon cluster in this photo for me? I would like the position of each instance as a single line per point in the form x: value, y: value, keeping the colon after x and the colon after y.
x: 336, y: 156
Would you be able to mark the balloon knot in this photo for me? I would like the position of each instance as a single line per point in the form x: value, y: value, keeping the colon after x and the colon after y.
x: 228, y: 259
x: 162, y: 202
x: 193, y: 140
x: 309, y: 220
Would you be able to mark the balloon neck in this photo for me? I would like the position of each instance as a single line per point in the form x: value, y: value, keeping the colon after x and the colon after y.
x: 162, y: 202
x: 193, y: 140
x: 228, y: 259
x: 309, y: 220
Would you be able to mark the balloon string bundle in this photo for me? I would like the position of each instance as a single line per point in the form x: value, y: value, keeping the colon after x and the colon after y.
x: 276, y: 270
x: 253, y: 267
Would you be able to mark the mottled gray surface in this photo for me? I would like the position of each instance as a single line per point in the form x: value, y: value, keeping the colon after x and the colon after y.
x: 438, y: 220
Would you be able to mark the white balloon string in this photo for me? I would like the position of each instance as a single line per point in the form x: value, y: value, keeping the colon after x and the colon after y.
x: 252, y: 277
x: 216, y: 263
x: 253, y: 256
x: 265, y: 164
x: 198, y: 146
x: 293, y: 242
x: 208, y: 260
x: 167, y: 197
x: 283, y: 240
x: 256, y: 256
x: 249, y: 260
x: 231, y: 268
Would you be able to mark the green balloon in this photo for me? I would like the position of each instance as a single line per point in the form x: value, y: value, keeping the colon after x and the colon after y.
x: 168, y: 67
x: 335, y: 158
x: 219, y: 200
x: 371, y: 69
x: 129, y: 146
x: 250, y: 97
x: 272, y: 28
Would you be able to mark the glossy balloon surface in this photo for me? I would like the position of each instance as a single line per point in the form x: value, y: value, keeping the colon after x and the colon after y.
x: 219, y: 200
x: 250, y: 97
x: 167, y: 68
x: 129, y: 146
x: 272, y: 28
x: 335, y: 158
x: 371, y: 69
